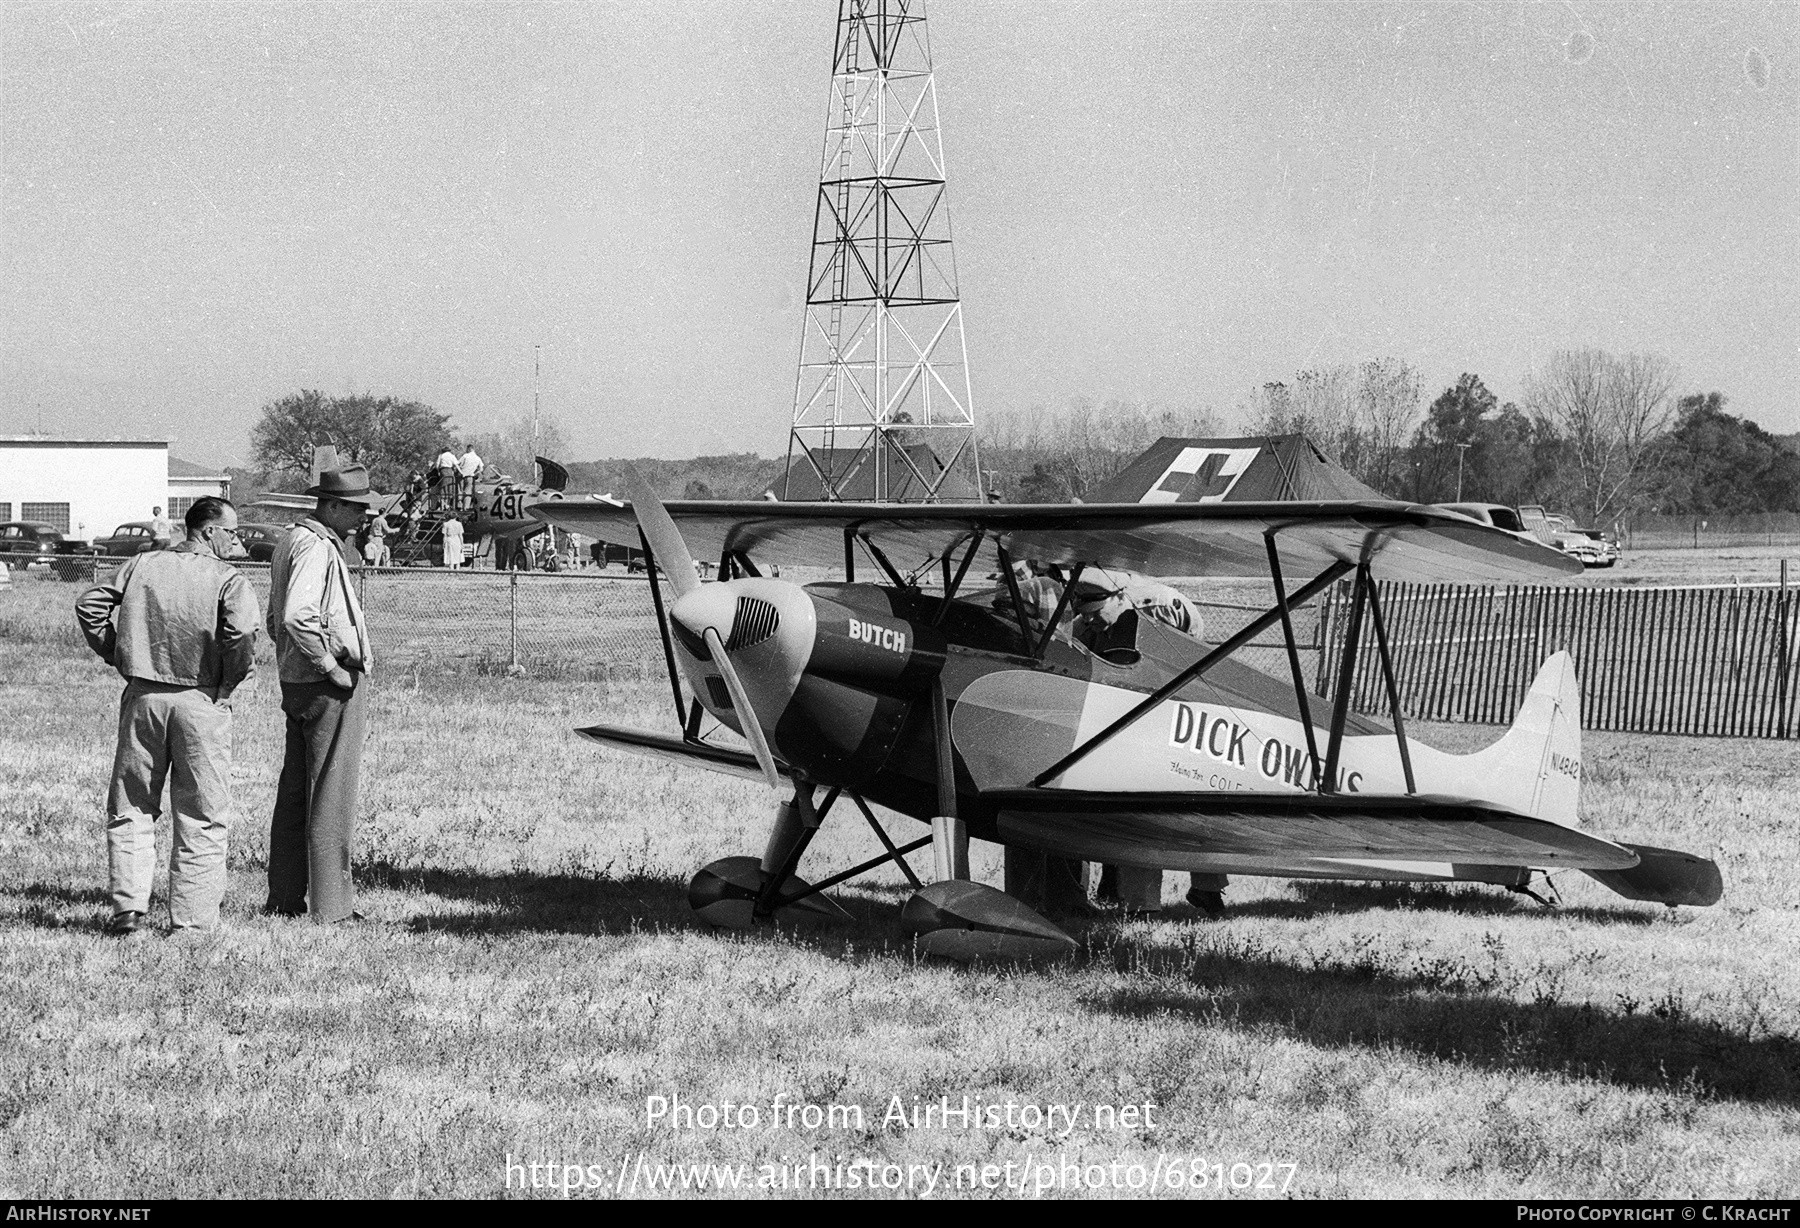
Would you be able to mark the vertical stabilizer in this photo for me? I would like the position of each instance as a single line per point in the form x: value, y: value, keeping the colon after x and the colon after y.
x: 1536, y: 768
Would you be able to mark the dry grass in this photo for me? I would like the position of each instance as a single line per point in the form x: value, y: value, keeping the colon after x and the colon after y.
x: 530, y: 974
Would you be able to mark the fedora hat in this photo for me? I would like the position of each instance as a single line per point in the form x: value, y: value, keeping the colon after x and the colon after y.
x: 351, y: 484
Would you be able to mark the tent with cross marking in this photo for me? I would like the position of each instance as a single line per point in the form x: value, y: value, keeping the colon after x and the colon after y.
x: 1248, y: 469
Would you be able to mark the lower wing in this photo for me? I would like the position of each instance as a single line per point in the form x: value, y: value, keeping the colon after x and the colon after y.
x: 1162, y: 828
x: 718, y: 758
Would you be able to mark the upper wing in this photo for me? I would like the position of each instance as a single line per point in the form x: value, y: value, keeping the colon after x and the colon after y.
x: 1404, y: 541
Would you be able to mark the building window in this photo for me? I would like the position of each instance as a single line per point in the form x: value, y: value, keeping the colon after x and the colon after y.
x: 56, y: 515
x: 6, y: 510
x: 178, y: 507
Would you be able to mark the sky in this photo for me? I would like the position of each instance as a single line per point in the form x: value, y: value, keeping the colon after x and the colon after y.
x: 207, y: 206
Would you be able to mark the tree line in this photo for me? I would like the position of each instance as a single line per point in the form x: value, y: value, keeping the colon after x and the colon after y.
x: 1598, y: 436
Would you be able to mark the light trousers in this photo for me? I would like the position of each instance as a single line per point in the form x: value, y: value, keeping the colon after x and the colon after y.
x: 179, y: 735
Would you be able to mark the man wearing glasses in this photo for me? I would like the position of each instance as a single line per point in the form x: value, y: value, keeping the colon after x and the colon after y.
x: 180, y: 626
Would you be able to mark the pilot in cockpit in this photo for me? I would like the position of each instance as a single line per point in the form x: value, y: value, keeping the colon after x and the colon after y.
x: 1108, y: 606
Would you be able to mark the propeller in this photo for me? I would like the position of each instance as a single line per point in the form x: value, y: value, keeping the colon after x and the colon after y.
x: 664, y: 538
x: 740, y: 700
x: 672, y: 553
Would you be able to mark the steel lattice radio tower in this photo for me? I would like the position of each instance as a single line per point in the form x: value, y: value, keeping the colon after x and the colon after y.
x: 882, y: 407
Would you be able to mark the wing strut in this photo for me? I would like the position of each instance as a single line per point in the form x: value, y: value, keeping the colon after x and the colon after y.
x: 953, y: 584
x: 1262, y: 622
x: 662, y: 625
x: 1340, y: 698
x: 1018, y: 602
x: 1293, y: 647
x: 1393, y: 685
x: 895, y: 576
x: 1062, y: 605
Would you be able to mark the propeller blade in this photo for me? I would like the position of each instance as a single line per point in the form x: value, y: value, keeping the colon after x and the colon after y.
x: 664, y: 538
x: 740, y: 700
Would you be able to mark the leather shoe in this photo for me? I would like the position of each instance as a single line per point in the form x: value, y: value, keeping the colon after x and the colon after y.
x: 125, y: 924
x: 270, y: 910
x: 1211, y: 903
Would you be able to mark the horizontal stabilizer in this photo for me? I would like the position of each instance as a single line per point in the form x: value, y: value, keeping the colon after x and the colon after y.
x: 1666, y: 876
x: 1158, y: 829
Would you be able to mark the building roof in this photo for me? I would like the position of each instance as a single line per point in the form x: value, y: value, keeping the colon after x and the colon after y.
x: 51, y: 441
x: 179, y: 468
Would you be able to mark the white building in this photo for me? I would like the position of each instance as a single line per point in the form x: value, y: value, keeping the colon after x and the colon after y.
x: 85, y: 487
x: 188, y: 481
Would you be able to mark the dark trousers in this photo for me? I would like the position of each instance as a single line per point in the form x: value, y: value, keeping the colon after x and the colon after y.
x: 316, y: 800
x: 1056, y: 886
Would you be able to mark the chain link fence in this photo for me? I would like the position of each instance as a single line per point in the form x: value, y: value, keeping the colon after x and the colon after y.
x: 567, y: 625
x: 1649, y: 531
x: 601, y: 625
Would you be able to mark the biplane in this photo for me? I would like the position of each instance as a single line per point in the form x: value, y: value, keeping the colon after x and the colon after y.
x: 956, y: 709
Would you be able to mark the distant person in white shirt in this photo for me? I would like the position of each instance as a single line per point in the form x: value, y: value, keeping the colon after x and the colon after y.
x: 445, y: 466
x: 470, y: 467
x: 161, y: 529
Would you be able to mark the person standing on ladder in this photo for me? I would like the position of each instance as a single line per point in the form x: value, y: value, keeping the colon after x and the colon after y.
x: 445, y: 467
x: 469, y: 468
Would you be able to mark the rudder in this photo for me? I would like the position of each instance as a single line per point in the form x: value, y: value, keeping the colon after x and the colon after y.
x: 1535, y: 769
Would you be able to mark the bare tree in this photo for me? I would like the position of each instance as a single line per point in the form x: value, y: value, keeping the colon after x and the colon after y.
x: 1609, y: 410
x: 1324, y: 409
x: 510, y: 451
x: 1073, y: 449
x: 1387, y: 402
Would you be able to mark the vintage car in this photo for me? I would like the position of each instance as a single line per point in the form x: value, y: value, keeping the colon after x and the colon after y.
x: 1577, y: 544
x: 32, y: 543
x: 1607, y: 546
x: 128, y: 539
x: 259, y: 540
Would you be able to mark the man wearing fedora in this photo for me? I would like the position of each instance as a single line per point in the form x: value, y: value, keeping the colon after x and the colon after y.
x: 322, y: 648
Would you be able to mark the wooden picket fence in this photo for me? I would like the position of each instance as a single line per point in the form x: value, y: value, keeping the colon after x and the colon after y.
x: 1710, y: 661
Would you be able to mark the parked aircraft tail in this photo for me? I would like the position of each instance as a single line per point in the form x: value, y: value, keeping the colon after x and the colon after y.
x: 1535, y: 769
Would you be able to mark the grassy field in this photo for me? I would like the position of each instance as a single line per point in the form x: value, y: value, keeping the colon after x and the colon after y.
x: 530, y: 975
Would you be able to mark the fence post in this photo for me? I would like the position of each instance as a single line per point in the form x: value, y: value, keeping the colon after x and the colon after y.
x: 1783, y: 660
x: 512, y: 620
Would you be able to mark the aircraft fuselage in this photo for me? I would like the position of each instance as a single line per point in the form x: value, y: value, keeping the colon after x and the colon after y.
x: 841, y: 677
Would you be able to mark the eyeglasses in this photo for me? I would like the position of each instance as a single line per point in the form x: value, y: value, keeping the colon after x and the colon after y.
x: 219, y: 528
